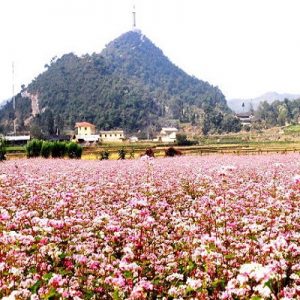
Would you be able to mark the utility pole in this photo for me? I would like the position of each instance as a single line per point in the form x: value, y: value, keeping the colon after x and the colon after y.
x: 13, y: 96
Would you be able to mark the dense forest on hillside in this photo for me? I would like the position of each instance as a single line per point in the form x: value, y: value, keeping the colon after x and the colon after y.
x: 130, y: 85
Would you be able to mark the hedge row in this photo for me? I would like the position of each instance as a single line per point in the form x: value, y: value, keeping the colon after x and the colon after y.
x: 35, y: 148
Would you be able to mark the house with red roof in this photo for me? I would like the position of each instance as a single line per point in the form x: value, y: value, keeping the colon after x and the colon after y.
x: 86, y: 132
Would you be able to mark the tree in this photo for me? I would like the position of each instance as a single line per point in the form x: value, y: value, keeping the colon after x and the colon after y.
x: 282, y: 115
x: 49, y: 120
x: 206, y: 125
x: 58, y: 124
x: 231, y: 124
x: 2, y: 149
x: 36, y: 132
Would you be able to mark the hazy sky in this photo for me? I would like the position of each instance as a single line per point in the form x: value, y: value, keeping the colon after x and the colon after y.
x: 246, y: 47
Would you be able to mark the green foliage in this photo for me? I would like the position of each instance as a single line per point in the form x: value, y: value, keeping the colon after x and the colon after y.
x: 218, y: 122
x: 132, y: 152
x: 181, y: 140
x: 104, y: 155
x: 46, y: 149
x: 121, y: 153
x: 278, y: 113
x: 2, y: 149
x: 171, y: 151
x: 8, y: 114
x: 292, y: 129
x: 231, y: 124
x: 74, y: 150
x: 33, y: 148
x: 36, y: 132
x: 59, y: 149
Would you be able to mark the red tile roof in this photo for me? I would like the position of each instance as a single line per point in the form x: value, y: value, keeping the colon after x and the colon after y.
x: 84, y: 124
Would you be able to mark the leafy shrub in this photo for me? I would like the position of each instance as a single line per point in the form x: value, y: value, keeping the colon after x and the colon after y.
x: 181, y: 140
x: 171, y: 151
x: 59, y: 149
x: 2, y: 149
x: 46, y: 149
x: 132, y: 152
x: 149, y: 152
x: 104, y: 155
x: 122, y: 153
x: 33, y: 148
x: 74, y: 150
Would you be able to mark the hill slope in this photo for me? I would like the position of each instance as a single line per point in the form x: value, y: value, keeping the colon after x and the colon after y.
x: 130, y: 85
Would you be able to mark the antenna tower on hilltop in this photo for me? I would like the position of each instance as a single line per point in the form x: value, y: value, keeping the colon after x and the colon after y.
x: 134, y: 17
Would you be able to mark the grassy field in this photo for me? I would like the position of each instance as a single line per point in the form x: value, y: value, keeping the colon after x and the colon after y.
x: 276, y: 140
x: 292, y: 129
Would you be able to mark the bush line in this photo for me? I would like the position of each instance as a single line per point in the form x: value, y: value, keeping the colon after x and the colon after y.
x: 36, y: 148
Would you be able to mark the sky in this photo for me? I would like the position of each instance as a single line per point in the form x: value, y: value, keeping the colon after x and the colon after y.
x: 245, y: 47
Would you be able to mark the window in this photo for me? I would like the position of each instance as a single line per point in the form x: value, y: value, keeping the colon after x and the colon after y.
x: 85, y: 128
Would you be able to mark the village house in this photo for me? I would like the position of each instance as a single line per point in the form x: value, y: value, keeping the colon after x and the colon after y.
x: 245, y: 118
x: 112, y: 136
x: 17, y: 139
x: 86, y: 132
x: 133, y: 139
x: 167, y: 135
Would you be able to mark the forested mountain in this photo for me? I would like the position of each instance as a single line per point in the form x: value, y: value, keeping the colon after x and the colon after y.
x: 130, y: 85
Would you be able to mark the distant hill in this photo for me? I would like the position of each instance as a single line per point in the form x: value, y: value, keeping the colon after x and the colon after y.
x: 3, y: 102
x: 236, y: 104
x: 131, y: 84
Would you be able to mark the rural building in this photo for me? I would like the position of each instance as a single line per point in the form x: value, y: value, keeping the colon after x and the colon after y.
x: 86, y: 132
x: 85, y: 128
x: 17, y: 139
x: 245, y: 118
x: 112, y: 136
x: 167, y: 135
x: 133, y: 139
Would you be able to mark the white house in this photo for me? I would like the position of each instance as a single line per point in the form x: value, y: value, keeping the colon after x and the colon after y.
x: 133, y: 139
x: 112, y: 136
x: 86, y: 132
x: 167, y: 135
x: 17, y: 138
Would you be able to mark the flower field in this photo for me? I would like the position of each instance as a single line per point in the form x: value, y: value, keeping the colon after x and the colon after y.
x: 215, y: 227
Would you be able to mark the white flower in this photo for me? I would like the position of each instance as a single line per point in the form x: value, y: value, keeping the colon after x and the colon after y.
x: 174, y: 276
x: 263, y: 290
x: 194, y: 283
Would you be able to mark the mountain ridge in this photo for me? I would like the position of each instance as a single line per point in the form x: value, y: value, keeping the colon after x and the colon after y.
x: 131, y: 85
x: 236, y: 104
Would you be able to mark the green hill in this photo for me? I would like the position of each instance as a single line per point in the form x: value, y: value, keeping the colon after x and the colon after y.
x: 131, y: 85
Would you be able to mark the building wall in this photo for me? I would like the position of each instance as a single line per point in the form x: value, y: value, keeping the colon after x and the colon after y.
x: 112, y: 136
x: 168, y: 136
x: 168, y: 139
x: 89, y: 130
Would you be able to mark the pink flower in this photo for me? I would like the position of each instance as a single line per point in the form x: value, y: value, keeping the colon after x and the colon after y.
x: 296, y: 179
